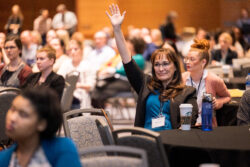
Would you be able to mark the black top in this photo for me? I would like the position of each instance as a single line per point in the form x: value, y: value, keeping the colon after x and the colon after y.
x: 216, y: 55
x: 6, y: 75
x: 139, y: 82
x: 54, y: 81
x: 14, y: 20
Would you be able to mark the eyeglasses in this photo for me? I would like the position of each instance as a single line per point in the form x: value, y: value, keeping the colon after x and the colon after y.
x: 10, y: 47
x: 164, y: 65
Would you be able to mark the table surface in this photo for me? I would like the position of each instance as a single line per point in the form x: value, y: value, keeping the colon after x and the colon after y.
x: 224, y: 138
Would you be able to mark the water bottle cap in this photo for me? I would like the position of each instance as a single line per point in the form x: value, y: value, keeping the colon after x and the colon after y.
x: 248, y: 74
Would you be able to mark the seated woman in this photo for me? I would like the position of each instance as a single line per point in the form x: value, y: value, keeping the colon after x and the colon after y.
x: 159, y: 95
x: 87, y: 77
x: 114, y: 76
x: 225, y: 54
x: 32, y: 122
x: 16, y: 71
x: 204, y: 81
x: 46, y: 57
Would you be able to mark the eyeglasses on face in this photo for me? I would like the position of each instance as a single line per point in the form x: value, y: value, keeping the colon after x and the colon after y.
x: 9, y: 47
x: 164, y: 65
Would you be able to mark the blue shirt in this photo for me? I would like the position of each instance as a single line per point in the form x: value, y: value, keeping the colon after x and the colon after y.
x: 60, y: 152
x: 153, y: 110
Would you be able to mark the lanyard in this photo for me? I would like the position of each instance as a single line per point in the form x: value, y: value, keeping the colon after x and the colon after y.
x: 161, y: 108
x: 198, y: 85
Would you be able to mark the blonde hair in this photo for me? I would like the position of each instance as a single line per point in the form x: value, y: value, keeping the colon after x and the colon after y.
x: 227, y: 37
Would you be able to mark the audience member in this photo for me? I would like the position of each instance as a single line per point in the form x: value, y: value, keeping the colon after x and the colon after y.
x: 239, y: 38
x: 61, y: 57
x: 64, y: 19
x: 15, y: 21
x: 201, y: 34
x: 42, y: 24
x: 29, y: 48
x: 113, y: 75
x: 50, y: 35
x: 36, y: 38
x: 244, y: 24
x: 243, y: 114
x: 2, y: 40
x: 16, y: 71
x: 64, y: 36
x: 46, y: 57
x: 168, y: 30
x: 160, y: 95
x: 32, y: 122
x: 198, y: 77
x: 78, y: 36
x: 224, y: 55
x: 102, y: 51
x: 87, y: 75
x: 145, y: 35
x: 156, y: 43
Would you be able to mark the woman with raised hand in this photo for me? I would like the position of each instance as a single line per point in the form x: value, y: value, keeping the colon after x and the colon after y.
x: 159, y: 95
x: 204, y: 81
x: 32, y: 122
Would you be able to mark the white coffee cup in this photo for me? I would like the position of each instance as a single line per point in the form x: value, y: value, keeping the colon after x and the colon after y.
x: 186, y: 113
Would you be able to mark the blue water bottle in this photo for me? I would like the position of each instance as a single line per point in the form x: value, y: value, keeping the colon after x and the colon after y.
x: 248, y: 81
x: 207, y: 112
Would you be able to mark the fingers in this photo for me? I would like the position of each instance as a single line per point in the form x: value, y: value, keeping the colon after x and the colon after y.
x: 111, y: 10
x: 107, y: 13
x: 114, y: 9
x: 123, y: 14
x: 117, y: 9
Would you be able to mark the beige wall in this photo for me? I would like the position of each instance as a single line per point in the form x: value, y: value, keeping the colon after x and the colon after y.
x: 149, y: 13
x: 230, y: 11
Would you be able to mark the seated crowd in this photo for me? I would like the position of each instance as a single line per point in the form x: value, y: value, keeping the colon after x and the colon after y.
x: 38, y: 62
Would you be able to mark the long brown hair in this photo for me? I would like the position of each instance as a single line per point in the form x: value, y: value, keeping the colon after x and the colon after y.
x: 176, y: 85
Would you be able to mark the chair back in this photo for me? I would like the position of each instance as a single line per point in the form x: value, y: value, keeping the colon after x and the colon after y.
x: 7, y: 95
x: 134, y: 157
x: 144, y: 139
x: 70, y: 85
x: 82, y: 127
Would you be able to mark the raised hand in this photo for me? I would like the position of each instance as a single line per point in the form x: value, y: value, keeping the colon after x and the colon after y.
x: 115, y: 18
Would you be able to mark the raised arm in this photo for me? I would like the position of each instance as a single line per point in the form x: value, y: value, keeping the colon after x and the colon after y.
x: 116, y: 20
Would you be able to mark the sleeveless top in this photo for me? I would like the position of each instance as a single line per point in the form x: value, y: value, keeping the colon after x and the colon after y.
x: 13, y: 80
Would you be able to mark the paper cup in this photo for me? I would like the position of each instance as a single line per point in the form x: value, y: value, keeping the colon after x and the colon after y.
x: 186, y: 113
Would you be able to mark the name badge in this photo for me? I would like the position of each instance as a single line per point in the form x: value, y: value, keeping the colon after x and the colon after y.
x: 158, y: 122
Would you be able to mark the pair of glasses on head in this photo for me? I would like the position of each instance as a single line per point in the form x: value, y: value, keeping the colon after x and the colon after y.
x: 163, y: 65
x: 9, y: 47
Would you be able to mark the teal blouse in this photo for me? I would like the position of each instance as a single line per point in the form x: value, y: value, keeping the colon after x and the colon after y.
x: 153, y: 110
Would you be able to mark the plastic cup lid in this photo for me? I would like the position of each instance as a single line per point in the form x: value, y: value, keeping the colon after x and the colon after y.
x: 186, y: 105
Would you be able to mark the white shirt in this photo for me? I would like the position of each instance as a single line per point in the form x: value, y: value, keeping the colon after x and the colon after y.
x: 100, y: 56
x: 202, y: 89
x: 70, y: 20
x: 59, y: 62
x: 87, y: 77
